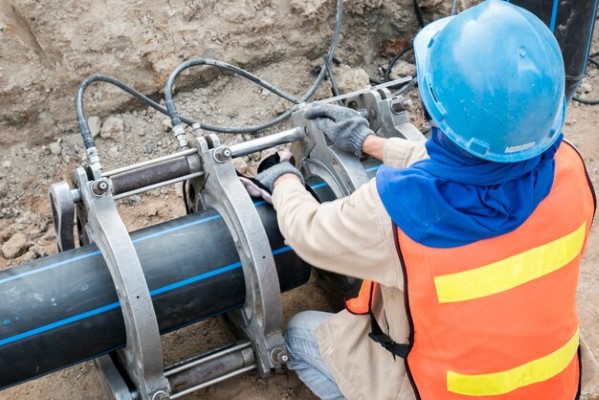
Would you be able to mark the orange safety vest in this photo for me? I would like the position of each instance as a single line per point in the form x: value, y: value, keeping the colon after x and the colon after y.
x: 496, y: 319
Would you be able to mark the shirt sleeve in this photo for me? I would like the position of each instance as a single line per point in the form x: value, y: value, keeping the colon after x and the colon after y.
x: 401, y: 153
x: 351, y: 236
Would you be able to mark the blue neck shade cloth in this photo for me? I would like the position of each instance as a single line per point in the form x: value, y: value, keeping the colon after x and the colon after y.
x: 453, y: 199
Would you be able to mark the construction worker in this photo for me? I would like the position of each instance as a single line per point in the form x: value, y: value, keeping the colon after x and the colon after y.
x: 469, y: 244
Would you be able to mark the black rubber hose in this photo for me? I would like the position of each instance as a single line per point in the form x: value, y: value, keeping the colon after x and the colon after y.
x: 172, y: 109
x: 88, y: 140
x: 394, y: 61
x: 586, y: 101
x: 418, y: 12
x: 331, y: 77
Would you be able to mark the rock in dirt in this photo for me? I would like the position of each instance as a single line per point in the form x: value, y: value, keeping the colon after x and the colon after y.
x: 402, y: 69
x: 350, y: 79
x: 94, y: 125
x: 586, y: 88
x: 15, y: 246
x: 167, y: 125
x: 55, y: 148
x: 113, y: 128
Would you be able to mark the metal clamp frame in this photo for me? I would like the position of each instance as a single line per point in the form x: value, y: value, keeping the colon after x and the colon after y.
x: 63, y: 214
x: 341, y: 170
x: 210, y: 169
x: 387, y: 115
x: 261, y: 316
x: 142, y: 357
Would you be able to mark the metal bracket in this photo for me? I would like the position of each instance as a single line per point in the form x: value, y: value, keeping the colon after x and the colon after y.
x: 261, y: 316
x: 63, y: 215
x: 142, y: 357
x: 342, y: 171
x: 388, y: 115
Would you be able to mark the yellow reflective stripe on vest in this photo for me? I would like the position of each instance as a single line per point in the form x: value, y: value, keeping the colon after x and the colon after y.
x: 511, y: 272
x: 503, y: 382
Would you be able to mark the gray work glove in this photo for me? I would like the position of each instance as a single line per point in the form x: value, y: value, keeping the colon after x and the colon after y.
x: 254, y: 187
x: 346, y: 128
x: 268, y: 177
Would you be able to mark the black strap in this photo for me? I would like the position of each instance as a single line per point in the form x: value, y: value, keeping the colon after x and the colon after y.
x: 397, y: 349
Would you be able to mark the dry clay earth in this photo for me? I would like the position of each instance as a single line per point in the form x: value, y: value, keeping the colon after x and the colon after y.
x: 26, y: 231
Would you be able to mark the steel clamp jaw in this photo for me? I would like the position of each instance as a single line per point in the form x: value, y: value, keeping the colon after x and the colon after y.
x: 342, y: 171
x: 387, y: 114
x: 261, y: 316
x: 142, y: 357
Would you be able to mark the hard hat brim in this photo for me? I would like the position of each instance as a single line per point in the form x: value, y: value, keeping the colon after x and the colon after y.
x: 423, y: 42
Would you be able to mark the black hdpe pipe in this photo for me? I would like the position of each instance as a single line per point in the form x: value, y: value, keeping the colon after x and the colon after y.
x: 61, y: 310
x: 572, y: 23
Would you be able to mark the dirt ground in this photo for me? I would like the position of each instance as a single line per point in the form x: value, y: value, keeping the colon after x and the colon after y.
x: 140, y: 133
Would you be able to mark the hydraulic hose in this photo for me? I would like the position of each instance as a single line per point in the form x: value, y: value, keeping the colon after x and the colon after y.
x: 88, y: 140
x: 172, y: 109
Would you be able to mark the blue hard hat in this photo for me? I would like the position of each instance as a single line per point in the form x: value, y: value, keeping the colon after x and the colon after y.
x: 492, y: 78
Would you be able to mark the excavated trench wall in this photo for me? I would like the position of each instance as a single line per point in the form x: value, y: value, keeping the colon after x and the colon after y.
x: 47, y: 48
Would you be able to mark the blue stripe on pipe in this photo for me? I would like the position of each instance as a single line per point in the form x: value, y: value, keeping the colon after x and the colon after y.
x: 112, y: 306
x: 137, y: 240
x: 281, y: 250
x: 323, y: 184
x: 176, y: 228
x: 195, y: 279
x: 47, y: 267
x: 58, y: 324
x: 97, y: 252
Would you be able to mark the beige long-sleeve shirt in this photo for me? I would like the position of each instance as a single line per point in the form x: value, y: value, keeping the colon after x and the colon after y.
x: 354, y: 236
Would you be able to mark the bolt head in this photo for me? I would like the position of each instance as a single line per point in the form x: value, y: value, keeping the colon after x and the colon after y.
x: 100, y: 187
x: 222, y: 154
x: 279, y: 356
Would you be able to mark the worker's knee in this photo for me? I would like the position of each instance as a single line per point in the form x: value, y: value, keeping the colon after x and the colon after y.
x: 300, y: 334
x: 308, y: 320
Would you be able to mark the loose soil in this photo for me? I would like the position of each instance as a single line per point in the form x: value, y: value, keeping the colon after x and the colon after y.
x: 26, y: 171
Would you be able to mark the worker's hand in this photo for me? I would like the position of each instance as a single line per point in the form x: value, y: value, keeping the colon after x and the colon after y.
x: 346, y: 128
x: 268, y: 177
x: 262, y: 184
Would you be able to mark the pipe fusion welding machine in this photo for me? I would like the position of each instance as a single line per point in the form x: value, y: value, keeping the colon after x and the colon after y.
x: 110, y: 298
x: 109, y: 294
